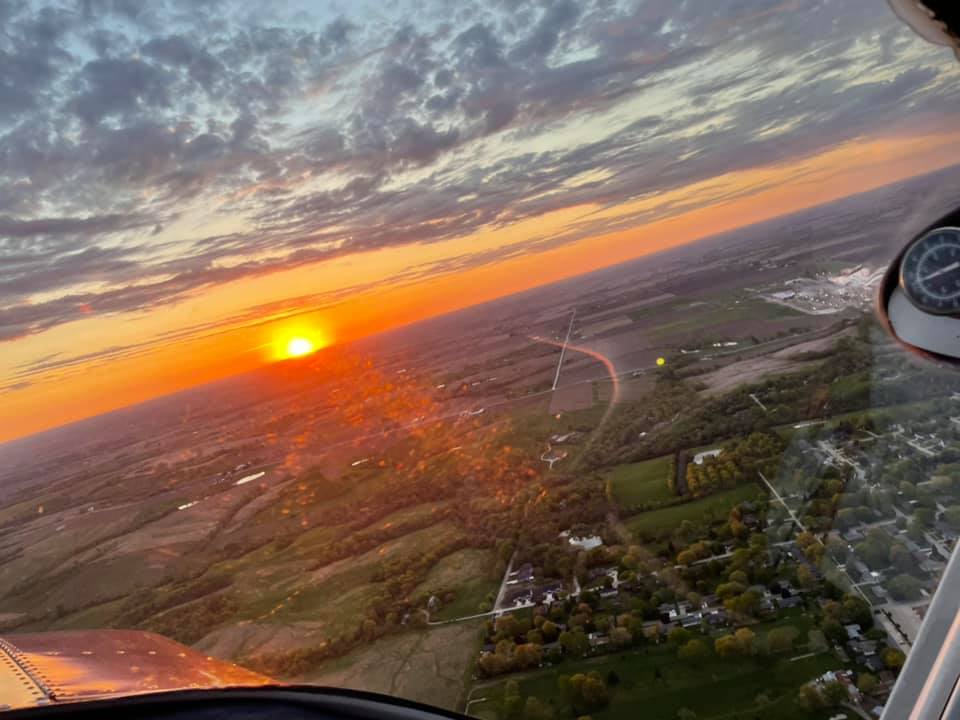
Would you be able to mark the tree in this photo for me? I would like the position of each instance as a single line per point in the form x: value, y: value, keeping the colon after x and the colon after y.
x: 621, y: 637
x: 867, y: 683
x: 904, y: 587
x: 834, y: 631
x: 810, y: 698
x: 585, y: 691
x: 952, y: 516
x: 923, y: 516
x: 535, y: 709
x: 726, y: 646
x: 739, y: 576
x: 528, y: 655
x: 835, y: 693
x: 491, y: 664
x: 686, y: 714
x: 512, y: 702
x: 893, y: 658
x: 694, y: 651
x: 678, y: 636
x: 506, y: 626
x: 746, y: 640
x: 574, y: 642
x: 550, y: 630
x: 900, y: 558
x: 805, y: 577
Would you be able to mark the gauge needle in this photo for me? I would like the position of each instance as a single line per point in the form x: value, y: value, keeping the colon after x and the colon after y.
x: 949, y: 268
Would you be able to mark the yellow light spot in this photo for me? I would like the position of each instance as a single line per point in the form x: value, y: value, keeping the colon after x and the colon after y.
x: 661, y: 361
x: 299, y: 346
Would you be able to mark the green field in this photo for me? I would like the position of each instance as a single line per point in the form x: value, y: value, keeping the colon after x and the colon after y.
x: 467, y: 571
x: 642, y: 482
x: 708, y: 319
x: 716, y: 688
x: 714, y: 508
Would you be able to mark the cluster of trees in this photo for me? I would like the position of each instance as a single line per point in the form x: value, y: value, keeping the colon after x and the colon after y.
x: 189, y: 623
x: 850, y: 609
x: 584, y: 692
x: 742, y: 643
x: 814, y: 697
x: 739, y: 462
x: 144, y: 604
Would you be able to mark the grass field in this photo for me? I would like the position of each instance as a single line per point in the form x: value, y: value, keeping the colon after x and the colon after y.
x: 708, y: 318
x: 643, y: 482
x: 467, y: 571
x: 714, y: 508
x: 716, y: 688
x: 428, y: 666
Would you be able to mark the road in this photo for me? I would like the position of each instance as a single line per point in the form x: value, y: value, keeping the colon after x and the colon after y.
x: 800, y: 525
x: 941, y: 548
x: 841, y: 459
x: 563, y: 349
x: 503, y: 584
x: 727, y: 555
x: 793, y: 515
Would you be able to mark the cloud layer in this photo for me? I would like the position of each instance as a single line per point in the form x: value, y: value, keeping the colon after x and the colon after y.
x: 148, y: 150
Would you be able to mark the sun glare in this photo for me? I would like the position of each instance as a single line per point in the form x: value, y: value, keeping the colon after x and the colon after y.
x: 299, y: 346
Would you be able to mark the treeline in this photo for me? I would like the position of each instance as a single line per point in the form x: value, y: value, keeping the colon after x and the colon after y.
x: 146, y: 603
x: 844, y: 382
x: 189, y: 623
x: 738, y: 462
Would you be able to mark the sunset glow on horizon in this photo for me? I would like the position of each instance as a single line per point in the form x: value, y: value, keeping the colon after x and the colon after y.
x: 152, y: 240
x: 299, y: 346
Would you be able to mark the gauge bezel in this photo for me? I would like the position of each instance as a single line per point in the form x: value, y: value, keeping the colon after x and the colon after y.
x: 955, y: 312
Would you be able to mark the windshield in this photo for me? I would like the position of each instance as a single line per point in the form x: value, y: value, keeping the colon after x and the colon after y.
x: 516, y: 357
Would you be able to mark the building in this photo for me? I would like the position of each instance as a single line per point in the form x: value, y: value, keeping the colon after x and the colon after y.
x: 522, y: 574
x: 853, y: 631
x: 585, y: 543
x: 701, y: 456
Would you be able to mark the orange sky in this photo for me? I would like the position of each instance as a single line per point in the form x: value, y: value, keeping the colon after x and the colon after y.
x: 96, y: 387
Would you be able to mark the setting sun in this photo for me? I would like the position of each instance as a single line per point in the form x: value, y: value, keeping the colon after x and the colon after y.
x: 299, y: 346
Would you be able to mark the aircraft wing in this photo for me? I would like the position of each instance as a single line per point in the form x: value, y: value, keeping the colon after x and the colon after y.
x: 54, y: 667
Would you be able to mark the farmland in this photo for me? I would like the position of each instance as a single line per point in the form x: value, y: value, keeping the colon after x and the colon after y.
x: 714, y: 508
x: 644, y: 483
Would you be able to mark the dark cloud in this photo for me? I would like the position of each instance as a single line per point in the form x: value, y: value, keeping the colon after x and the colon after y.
x: 325, y: 135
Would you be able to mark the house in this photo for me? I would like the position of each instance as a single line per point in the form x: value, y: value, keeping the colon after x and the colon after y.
x: 609, y: 593
x: 598, y: 639
x: 692, y: 620
x: 700, y: 457
x: 790, y: 602
x: 668, y: 612
x: 522, y: 574
x: 853, y: 631
x: 588, y: 542
x: 717, y: 617
x: 853, y: 535
x: 875, y: 664
x: 844, y: 677
x: 866, y: 648
x: 550, y: 593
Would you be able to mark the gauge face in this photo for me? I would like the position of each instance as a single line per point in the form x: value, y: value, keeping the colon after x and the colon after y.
x: 930, y: 272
